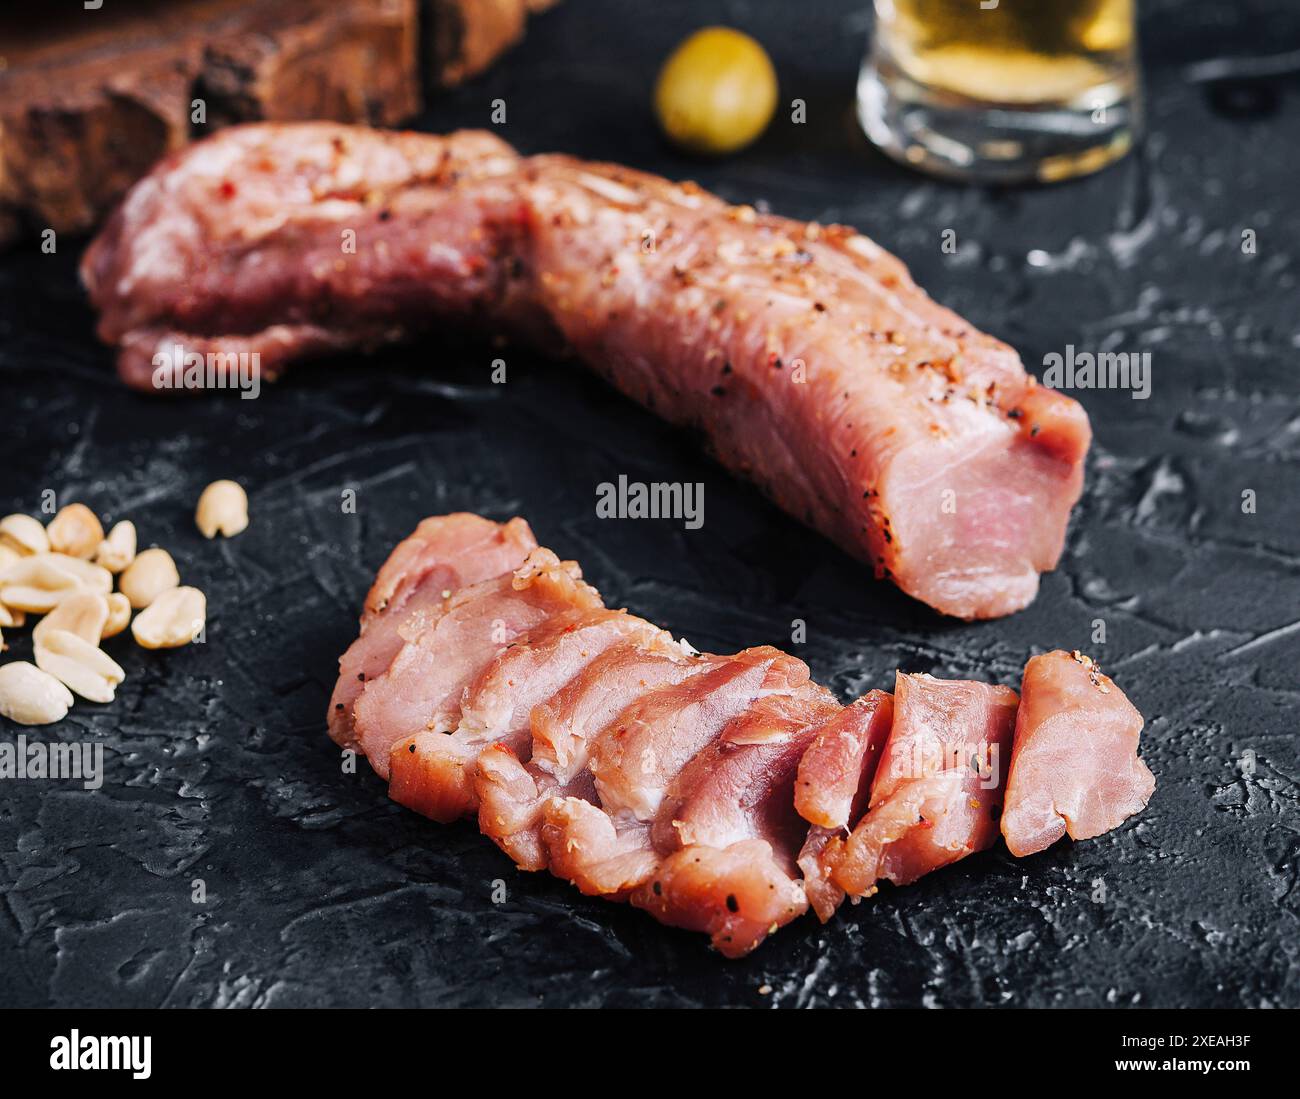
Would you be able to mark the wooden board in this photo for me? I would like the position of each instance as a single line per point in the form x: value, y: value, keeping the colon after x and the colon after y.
x: 90, y: 100
x: 463, y: 37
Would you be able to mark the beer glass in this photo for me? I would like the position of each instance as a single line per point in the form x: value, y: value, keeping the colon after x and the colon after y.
x: 1002, y: 91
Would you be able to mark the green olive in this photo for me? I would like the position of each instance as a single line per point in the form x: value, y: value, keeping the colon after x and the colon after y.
x: 716, y: 92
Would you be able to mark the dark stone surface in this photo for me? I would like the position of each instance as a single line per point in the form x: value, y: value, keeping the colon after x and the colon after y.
x: 320, y: 891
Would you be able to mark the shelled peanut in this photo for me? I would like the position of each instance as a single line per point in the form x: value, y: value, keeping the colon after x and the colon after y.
x: 66, y: 572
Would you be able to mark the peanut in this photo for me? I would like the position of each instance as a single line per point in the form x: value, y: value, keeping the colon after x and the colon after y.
x: 148, y: 576
x: 174, y: 618
x: 24, y: 534
x: 78, y: 664
x: 38, y: 584
x: 9, y: 556
x: 30, y: 696
x: 117, y: 551
x: 86, y: 573
x: 75, y: 530
x: 223, y: 508
x: 119, y: 614
x: 83, y: 613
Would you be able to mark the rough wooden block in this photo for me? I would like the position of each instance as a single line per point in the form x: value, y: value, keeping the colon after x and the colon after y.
x: 90, y: 99
x: 464, y: 37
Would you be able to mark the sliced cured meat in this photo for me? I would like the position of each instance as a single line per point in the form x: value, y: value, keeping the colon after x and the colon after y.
x: 741, y: 785
x: 512, y: 802
x: 729, y: 828
x: 498, y: 705
x: 640, y: 753
x: 564, y: 726
x: 723, y: 794
x: 1074, y: 762
x: 938, y: 790
x: 498, y: 701
x: 424, y: 687
x: 589, y: 848
x: 835, y: 772
x: 834, y: 785
x: 513, y: 795
x: 822, y: 892
x: 444, y: 554
x: 805, y: 354
x: 473, y: 547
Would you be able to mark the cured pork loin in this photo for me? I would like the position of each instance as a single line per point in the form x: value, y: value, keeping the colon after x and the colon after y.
x: 803, y: 353
x: 724, y: 794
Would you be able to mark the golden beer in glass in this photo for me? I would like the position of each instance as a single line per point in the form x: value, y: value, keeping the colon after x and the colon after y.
x: 1002, y: 90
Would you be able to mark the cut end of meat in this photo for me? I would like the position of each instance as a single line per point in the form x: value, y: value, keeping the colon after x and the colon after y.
x: 971, y: 530
x: 1074, y: 765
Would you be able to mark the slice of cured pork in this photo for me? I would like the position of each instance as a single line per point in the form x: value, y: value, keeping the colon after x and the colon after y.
x: 805, y: 354
x: 834, y: 786
x: 444, y: 554
x: 1074, y: 763
x: 938, y: 789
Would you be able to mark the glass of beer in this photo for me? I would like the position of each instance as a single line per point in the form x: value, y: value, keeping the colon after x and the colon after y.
x: 1002, y: 91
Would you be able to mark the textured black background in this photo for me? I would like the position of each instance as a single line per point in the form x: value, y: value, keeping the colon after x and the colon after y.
x: 321, y: 892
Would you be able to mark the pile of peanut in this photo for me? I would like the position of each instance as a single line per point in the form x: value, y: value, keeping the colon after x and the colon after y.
x: 65, y: 572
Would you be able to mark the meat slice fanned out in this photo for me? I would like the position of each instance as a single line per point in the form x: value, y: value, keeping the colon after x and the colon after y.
x: 833, y: 787
x: 805, y: 354
x: 835, y: 772
x: 498, y: 706
x: 513, y: 795
x: 937, y: 793
x: 736, y: 895
x: 723, y: 794
x: 741, y: 785
x: 564, y: 726
x: 445, y: 554
x: 1074, y: 763
x: 638, y: 755
x: 414, y: 712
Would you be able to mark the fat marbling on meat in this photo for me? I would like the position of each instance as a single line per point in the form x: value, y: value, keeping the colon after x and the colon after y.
x: 805, y: 354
